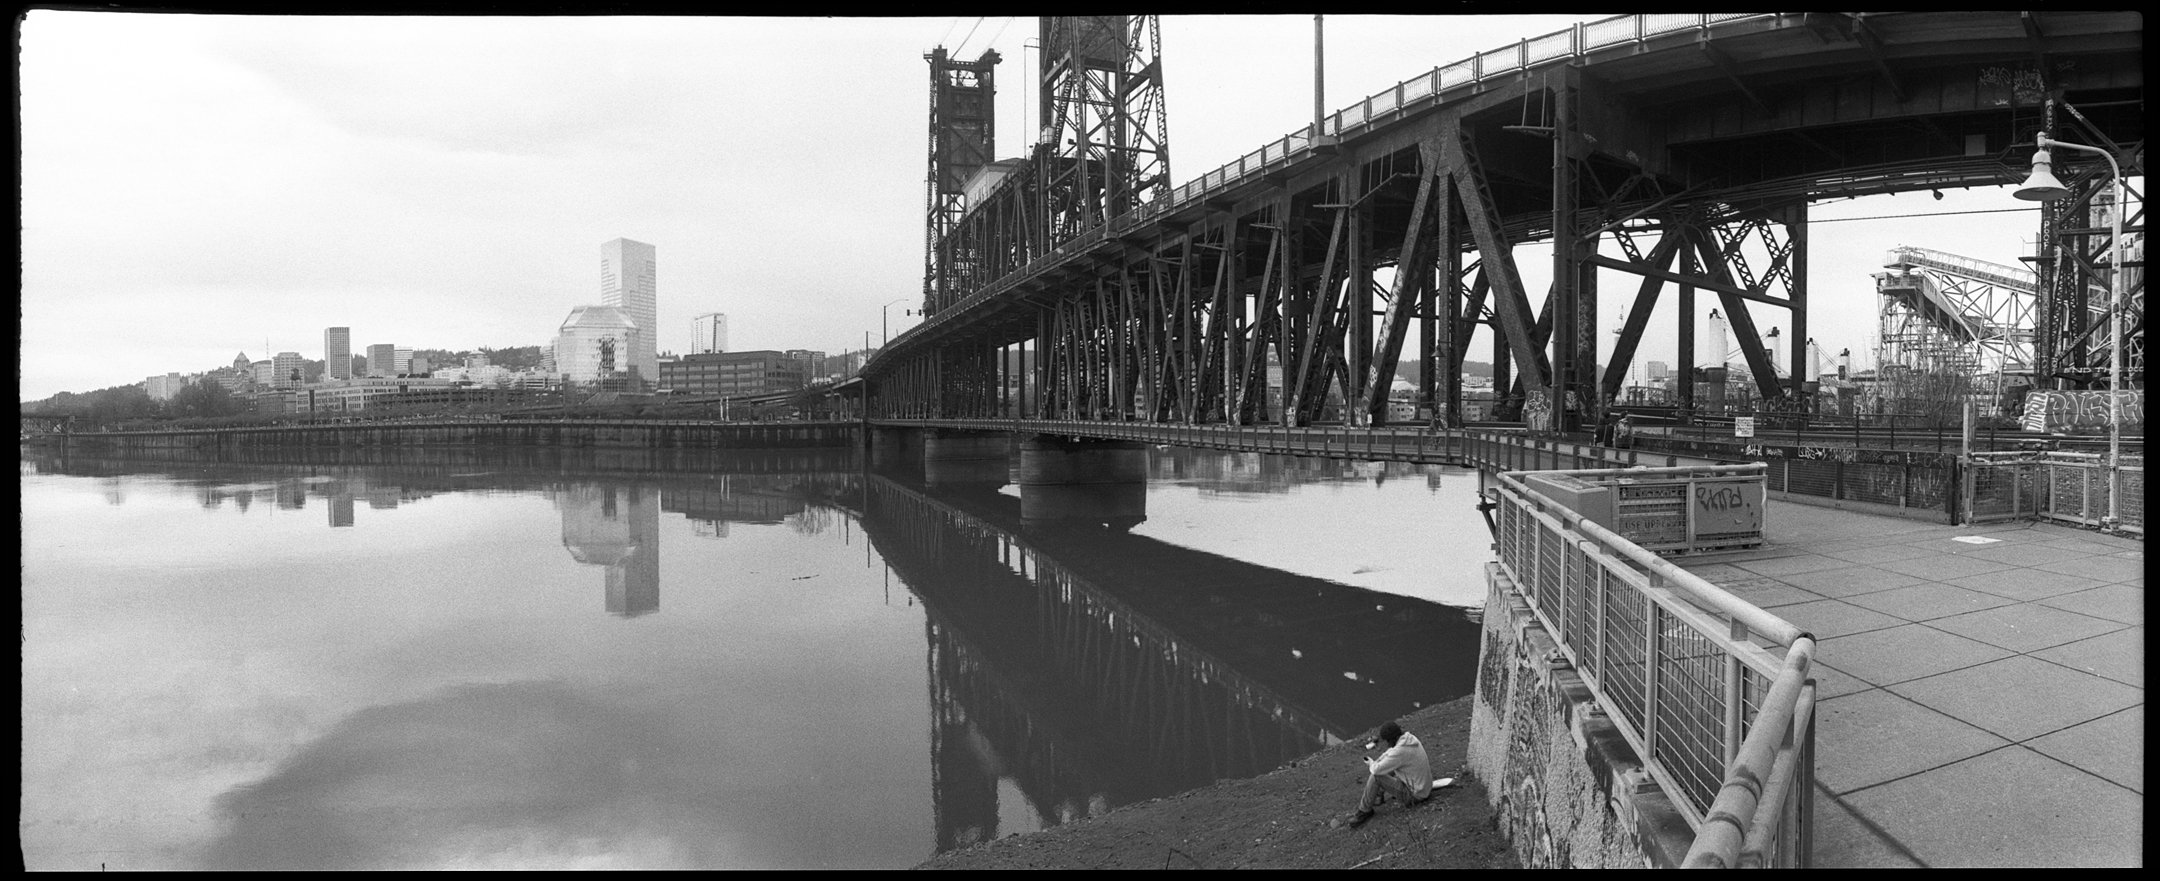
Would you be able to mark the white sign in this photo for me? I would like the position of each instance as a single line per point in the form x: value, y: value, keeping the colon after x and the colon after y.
x: 1743, y: 426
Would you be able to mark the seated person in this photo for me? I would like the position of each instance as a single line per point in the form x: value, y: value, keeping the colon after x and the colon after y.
x: 1402, y: 771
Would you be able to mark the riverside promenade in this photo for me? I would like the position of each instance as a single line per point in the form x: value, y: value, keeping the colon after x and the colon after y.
x: 1981, y: 689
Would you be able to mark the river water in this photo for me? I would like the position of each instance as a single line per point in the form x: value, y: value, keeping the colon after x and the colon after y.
x: 468, y: 659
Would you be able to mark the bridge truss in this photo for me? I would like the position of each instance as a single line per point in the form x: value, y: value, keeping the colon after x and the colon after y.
x: 1676, y: 151
x: 1950, y: 327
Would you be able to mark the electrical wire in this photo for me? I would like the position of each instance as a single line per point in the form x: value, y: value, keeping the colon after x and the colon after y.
x: 1814, y: 220
x: 958, y: 52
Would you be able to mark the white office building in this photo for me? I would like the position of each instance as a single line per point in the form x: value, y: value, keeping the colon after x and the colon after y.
x: 629, y: 281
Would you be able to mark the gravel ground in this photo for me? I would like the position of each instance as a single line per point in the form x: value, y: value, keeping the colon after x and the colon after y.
x: 1289, y: 818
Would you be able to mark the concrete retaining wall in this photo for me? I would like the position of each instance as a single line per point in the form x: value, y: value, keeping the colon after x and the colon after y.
x: 1567, y: 789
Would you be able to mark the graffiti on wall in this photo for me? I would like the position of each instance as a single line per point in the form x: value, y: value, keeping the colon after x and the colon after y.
x: 1537, y: 411
x: 2080, y: 412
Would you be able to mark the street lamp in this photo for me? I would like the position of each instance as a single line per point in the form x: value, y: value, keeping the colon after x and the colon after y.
x: 2043, y: 187
x: 885, y: 321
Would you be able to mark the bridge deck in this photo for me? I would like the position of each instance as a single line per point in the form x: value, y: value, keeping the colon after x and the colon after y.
x: 1982, y: 687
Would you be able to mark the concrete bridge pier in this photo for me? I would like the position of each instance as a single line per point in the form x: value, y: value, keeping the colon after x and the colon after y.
x: 954, y: 457
x: 896, y: 449
x: 1079, y: 480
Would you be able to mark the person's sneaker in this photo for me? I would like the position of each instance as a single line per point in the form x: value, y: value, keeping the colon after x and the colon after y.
x: 1359, y: 818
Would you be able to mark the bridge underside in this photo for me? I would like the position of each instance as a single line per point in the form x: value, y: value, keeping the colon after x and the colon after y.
x: 1681, y: 165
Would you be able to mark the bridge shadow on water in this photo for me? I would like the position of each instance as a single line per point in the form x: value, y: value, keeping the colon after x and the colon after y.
x: 1095, y: 668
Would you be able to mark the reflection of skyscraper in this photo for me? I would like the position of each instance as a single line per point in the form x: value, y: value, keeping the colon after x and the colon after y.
x: 617, y: 527
x: 341, y: 509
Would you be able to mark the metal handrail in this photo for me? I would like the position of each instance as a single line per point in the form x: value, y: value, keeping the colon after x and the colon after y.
x: 1763, y: 791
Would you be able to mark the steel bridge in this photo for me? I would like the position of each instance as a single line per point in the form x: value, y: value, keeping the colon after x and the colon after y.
x: 1677, y: 150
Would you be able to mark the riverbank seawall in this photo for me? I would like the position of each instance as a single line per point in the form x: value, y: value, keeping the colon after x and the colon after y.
x: 646, y: 434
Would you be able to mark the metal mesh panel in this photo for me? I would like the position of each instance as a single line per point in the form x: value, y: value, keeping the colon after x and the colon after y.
x: 1609, y: 31
x: 1658, y: 23
x: 2072, y: 495
x: 1550, y: 46
x: 1873, y: 482
x: 1627, y: 621
x: 1811, y: 477
x: 1577, y: 615
x: 1550, y: 567
x: 1457, y: 74
x: 2132, y: 507
x: 1995, y: 491
x: 1417, y: 88
x: 1690, y: 711
x: 1584, y: 591
x: 1499, y: 61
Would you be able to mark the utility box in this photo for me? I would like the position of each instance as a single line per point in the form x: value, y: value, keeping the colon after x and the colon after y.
x: 1664, y: 512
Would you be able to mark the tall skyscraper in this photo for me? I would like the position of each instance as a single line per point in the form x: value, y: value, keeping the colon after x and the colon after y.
x: 708, y: 334
x: 337, y: 352
x: 629, y: 282
x: 382, y: 360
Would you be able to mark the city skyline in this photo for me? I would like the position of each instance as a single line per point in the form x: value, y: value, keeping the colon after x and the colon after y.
x: 373, y: 180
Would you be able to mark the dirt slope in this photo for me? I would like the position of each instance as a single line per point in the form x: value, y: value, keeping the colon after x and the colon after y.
x: 1289, y: 818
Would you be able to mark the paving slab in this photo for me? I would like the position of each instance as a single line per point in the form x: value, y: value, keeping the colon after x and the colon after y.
x: 1874, y: 737
x: 1945, y: 566
x: 1878, y: 553
x: 2025, y: 627
x: 2100, y: 567
x: 1906, y: 652
x: 2118, y: 656
x: 2010, y: 808
x: 1792, y: 565
x: 1832, y: 618
x: 1928, y: 600
x: 2115, y: 602
x: 2020, y: 697
x: 2112, y: 746
x: 2023, y: 584
x: 1849, y: 581
x: 1832, y: 682
x: 2027, y: 553
x: 1766, y: 592
x: 1848, y: 839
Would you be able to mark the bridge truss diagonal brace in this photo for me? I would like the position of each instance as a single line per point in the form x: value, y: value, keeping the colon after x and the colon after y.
x: 1720, y: 263
x: 1496, y: 259
x: 1413, y: 275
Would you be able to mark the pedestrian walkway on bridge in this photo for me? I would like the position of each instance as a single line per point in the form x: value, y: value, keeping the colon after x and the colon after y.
x: 1981, y: 688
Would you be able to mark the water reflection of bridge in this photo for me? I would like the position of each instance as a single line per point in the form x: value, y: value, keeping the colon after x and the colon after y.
x: 1096, y: 668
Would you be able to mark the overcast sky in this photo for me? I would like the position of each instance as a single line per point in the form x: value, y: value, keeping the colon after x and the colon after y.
x: 198, y: 186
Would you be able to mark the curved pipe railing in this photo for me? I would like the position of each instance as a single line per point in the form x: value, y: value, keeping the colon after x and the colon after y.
x: 1724, y: 724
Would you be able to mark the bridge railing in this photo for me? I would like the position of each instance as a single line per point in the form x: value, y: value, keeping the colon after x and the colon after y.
x: 2052, y: 485
x: 1432, y: 86
x: 1711, y: 691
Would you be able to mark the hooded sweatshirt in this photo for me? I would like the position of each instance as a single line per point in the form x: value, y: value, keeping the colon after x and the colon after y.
x: 1406, y: 760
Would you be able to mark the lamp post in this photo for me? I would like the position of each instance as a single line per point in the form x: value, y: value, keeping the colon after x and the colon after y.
x: 2042, y: 186
x: 885, y: 321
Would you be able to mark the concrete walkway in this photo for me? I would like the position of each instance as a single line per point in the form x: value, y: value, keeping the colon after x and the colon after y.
x: 1981, y: 689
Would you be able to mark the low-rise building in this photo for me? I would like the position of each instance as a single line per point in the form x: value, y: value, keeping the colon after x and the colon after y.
x: 732, y: 373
